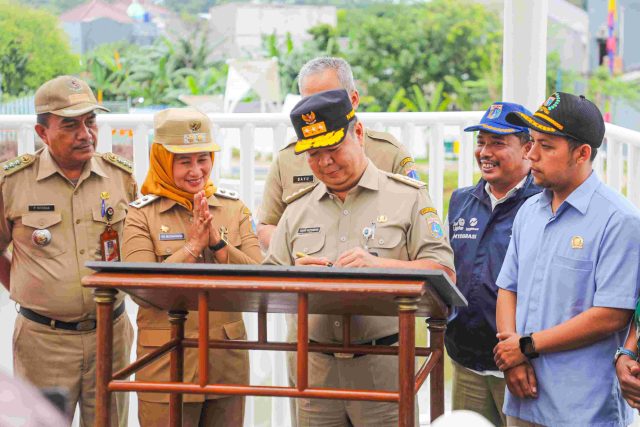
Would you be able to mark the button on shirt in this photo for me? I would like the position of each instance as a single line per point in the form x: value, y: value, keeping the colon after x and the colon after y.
x: 560, y: 265
x: 317, y: 225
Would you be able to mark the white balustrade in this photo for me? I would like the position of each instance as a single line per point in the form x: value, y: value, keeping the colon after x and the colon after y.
x: 618, y: 162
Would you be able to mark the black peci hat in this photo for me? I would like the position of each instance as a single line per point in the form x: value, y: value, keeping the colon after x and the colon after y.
x: 567, y: 115
x: 322, y: 120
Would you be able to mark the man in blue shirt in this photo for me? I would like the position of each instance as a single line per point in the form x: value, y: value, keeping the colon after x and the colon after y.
x: 569, y: 280
x: 480, y: 220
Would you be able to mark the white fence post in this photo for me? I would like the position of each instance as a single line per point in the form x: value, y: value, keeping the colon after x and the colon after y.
x: 247, y: 165
x: 465, y: 157
x: 436, y: 167
x: 26, y: 139
x: 141, y: 153
x: 633, y: 178
x: 614, y: 164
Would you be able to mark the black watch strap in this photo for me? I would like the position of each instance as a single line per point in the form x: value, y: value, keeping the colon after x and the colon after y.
x: 221, y: 244
x: 527, y: 347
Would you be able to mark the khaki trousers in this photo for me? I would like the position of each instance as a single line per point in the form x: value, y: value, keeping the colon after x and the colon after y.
x: 49, y: 358
x: 371, y: 372
x: 223, y: 412
x: 483, y: 394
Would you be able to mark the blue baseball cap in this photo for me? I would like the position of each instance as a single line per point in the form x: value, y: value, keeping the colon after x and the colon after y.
x: 495, y: 119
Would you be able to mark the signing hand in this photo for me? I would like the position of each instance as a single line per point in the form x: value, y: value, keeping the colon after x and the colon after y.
x: 507, y: 352
x: 627, y: 371
x: 521, y: 381
x: 357, y: 257
x: 313, y: 261
x: 199, y: 229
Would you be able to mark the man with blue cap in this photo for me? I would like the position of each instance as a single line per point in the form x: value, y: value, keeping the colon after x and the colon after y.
x: 480, y: 220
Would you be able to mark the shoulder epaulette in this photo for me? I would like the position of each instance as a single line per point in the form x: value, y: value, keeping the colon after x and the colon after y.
x: 118, y: 161
x: 289, y: 144
x: 144, y: 201
x: 227, y: 194
x: 406, y: 180
x: 19, y: 163
x: 301, y: 192
x: 382, y: 136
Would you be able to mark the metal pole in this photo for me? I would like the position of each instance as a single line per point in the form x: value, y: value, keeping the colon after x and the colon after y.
x: 524, y: 68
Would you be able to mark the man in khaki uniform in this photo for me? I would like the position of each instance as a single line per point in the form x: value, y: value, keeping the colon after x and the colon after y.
x: 164, y: 227
x: 356, y: 216
x: 53, y: 208
x: 290, y: 173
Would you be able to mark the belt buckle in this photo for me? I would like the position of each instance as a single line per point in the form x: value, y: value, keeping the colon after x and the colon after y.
x: 86, y: 325
x: 343, y: 355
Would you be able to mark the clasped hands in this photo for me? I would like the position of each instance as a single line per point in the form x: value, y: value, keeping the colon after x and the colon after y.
x: 355, y: 257
x: 202, y: 233
x: 518, y: 372
x: 628, y: 372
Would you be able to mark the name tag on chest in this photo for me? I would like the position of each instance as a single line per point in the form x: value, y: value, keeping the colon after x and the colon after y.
x: 171, y: 236
x: 41, y: 208
x: 302, y: 178
x: 308, y: 230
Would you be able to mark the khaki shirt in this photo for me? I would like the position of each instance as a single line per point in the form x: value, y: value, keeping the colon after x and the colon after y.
x: 321, y: 225
x: 154, y: 232
x: 46, y: 279
x: 290, y: 172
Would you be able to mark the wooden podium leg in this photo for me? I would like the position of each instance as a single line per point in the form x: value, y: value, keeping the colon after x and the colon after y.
x: 436, y: 342
x: 104, y: 299
x: 303, y: 342
x: 406, y: 360
x: 176, y: 363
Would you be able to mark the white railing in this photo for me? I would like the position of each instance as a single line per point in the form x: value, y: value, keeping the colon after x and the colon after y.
x: 424, y: 134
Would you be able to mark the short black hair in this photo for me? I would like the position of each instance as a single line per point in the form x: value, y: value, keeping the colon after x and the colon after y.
x: 43, y: 119
x: 574, y: 143
x: 524, y: 137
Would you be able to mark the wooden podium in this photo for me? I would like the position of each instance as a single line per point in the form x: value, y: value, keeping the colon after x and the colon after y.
x: 177, y: 288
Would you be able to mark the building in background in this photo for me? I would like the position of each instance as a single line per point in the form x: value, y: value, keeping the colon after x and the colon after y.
x: 242, y: 26
x: 97, y: 22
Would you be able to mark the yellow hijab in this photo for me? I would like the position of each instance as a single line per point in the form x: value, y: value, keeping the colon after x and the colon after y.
x: 159, y: 180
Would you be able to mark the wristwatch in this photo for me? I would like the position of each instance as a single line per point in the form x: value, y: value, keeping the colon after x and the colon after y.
x: 527, y: 347
x: 223, y: 240
x: 620, y: 351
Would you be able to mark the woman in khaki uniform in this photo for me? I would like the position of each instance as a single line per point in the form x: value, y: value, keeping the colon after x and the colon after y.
x: 184, y: 218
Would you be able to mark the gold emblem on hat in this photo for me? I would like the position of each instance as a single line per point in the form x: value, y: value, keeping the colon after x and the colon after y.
x: 382, y: 218
x: 195, y: 125
x: 309, y: 118
x: 577, y: 242
x: 105, y: 195
x: 164, y: 229
x: 75, y: 85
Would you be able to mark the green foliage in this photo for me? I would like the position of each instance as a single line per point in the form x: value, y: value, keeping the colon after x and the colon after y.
x: 33, y: 49
x: 159, y: 73
x: 454, y: 42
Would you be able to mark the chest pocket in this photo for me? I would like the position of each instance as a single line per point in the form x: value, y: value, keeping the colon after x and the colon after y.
x: 50, y: 221
x: 166, y: 248
x: 308, y: 243
x: 388, y: 242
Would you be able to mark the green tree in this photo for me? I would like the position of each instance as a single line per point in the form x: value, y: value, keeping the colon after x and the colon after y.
x: 399, y: 46
x: 33, y: 49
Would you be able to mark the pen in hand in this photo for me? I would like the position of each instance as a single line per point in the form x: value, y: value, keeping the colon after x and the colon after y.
x: 302, y: 255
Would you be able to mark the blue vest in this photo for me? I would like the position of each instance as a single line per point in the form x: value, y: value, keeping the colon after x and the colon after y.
x: 479, y: 238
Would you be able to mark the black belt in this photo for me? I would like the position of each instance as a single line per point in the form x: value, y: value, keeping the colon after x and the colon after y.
x: 84, y: 326
x: 388, y: 340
